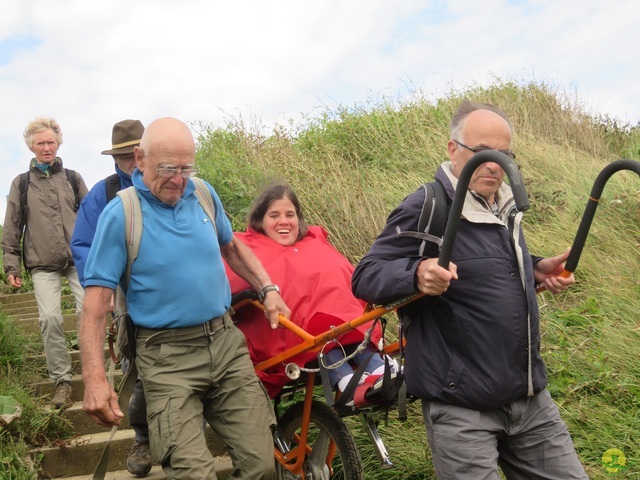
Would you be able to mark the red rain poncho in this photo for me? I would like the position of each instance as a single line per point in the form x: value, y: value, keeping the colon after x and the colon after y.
x: 315, y: 283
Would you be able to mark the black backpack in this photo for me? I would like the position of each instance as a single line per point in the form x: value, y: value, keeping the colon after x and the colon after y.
x: 432, y: 221
x: 24, y: 188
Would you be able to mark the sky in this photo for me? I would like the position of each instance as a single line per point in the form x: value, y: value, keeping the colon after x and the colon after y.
x: 89, y: 64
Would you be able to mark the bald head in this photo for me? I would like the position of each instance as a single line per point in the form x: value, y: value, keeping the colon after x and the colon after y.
x: 167, y: 143
x: 479, y: 127
x: 166, y: 135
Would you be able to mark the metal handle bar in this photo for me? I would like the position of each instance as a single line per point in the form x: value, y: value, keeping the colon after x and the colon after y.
x: 587, y: 217
x: 592, y: 204
x: 515, y: 180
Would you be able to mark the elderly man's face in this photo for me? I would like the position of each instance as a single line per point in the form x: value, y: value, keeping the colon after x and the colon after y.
x: 126, y: 162
x: 167, y: 144
x: 482, y: 129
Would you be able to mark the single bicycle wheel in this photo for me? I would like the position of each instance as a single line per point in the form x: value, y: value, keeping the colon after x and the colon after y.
x: 325, y: 429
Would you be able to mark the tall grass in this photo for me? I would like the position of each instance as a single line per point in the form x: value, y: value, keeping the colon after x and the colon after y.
x: 36, y: 426
x: 351, y: 166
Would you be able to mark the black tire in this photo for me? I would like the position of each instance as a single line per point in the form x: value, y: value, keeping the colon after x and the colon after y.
x: 325, y: 423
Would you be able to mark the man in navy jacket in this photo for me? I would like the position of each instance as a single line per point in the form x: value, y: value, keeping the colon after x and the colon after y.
x: 125, y: 136
x: 473, y: 341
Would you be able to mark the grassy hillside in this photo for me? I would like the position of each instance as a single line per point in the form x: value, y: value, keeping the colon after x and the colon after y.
x: 350, y: 167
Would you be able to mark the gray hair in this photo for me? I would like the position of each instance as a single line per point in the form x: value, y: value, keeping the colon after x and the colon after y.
x: 467, y: 107
x: 39, y: 125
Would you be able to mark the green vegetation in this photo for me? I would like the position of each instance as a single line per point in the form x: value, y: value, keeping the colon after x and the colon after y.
x: 36, y: 426
x: 351, y: 166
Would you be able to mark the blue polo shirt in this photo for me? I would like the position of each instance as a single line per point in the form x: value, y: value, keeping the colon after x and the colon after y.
x: 178, y: 279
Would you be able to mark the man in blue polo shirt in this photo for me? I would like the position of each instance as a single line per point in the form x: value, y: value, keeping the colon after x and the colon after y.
x: 192, y: 360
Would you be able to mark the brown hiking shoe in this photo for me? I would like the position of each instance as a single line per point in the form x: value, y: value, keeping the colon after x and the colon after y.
x: 139, y: 459
x: 62, y: 398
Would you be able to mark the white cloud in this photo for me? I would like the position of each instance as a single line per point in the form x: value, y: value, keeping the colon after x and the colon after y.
x: 90, y: 64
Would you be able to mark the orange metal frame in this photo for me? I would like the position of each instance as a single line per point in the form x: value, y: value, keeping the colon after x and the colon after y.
x: 293, y: 460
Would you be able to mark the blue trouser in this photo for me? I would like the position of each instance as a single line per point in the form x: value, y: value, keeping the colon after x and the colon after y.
x: 526, y: 438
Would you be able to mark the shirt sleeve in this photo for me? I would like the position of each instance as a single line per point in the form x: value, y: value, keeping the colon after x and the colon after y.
x: 85, y: 228
x: 107, y: 258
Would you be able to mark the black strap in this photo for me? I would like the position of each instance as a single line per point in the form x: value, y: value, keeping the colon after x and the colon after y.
x: 73, y: 180
x: 113, y: 186
x: 24, y: 209
x: 128, y: 384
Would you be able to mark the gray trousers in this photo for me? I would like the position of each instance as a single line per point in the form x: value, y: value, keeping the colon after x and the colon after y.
x: 47, y: 287
x: 186, y: 380
x: 526, y: 438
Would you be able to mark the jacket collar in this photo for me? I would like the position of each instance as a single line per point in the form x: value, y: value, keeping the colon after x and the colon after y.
x: 476, y: 209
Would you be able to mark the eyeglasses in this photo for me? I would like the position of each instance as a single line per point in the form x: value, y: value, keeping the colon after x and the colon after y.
x: 508, y: 153
x: 169, y: 171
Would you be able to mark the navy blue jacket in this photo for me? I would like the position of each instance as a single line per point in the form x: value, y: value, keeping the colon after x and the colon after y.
x: 478, y: 344
x: 90, y: 209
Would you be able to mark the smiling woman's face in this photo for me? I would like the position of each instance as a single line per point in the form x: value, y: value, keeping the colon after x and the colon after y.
x: 280, y: 223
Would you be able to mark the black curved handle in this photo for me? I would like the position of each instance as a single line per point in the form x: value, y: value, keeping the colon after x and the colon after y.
x: 515, y: 181
x: 590, y: 210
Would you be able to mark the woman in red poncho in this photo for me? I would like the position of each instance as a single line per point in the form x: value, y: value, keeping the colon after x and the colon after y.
x: 315, y: 283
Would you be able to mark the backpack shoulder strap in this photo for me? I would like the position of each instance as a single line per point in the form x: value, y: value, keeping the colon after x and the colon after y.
x: 432, y: 220
x: 206, y: 200
x: 73, y: 180
x: 24, y: 188
x: 132, y: 224
x: 113, y: 186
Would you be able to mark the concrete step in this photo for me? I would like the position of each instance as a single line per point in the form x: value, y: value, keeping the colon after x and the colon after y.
x: 11, y: 298
x: 82, y: 454
x: 82, y: 423
x: 16, y: 300
x: 223, y: 470
x: 46, y: 387
x: 29, y: 324
x: 76, y: 365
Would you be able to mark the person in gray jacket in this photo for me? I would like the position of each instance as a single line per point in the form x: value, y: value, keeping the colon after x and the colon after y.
x: 473, y: 341
x: 44, y: 229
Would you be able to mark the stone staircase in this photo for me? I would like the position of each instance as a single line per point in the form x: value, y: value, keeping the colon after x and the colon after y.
x: 78, y: 459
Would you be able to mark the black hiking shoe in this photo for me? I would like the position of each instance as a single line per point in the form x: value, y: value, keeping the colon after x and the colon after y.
x: 139, y: 460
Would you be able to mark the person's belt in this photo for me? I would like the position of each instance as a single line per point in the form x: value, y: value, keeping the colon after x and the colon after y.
x: 209, y: 329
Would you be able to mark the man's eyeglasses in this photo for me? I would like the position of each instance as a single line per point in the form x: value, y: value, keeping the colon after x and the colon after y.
x: 169, y: 171
x: 508, y: 153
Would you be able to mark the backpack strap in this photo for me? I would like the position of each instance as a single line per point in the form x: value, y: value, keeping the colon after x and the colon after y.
x: 132, y: 228
x: 113, y: 186
x: 24, y: 209
x: 73, y: 180
x: 133, y: 211
x: 206, y: 200
x: 432, y: 220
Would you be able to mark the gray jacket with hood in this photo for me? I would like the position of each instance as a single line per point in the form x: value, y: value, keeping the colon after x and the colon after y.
x: 49, y: 224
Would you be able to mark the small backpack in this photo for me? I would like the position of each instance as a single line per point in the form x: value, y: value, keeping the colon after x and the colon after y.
x: 122, y: 327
